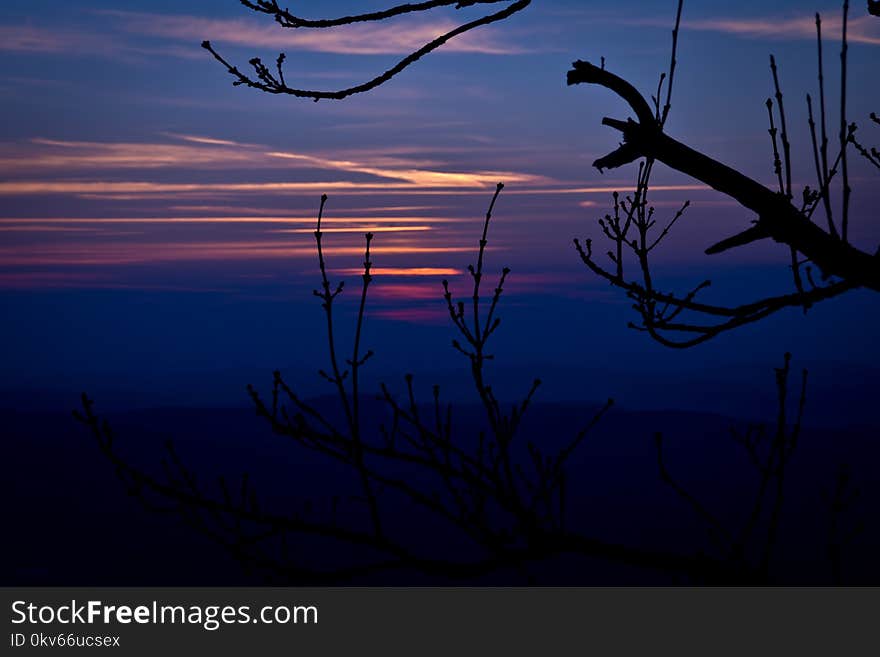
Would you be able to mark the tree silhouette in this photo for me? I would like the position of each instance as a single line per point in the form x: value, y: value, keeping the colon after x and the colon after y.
x: 503, y: 493
x: 680, y: 320
x: 675, y: 320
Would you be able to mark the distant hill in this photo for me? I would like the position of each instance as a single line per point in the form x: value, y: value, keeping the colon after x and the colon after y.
x: 69, y: 521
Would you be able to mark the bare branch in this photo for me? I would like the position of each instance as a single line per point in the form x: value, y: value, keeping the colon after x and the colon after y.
x: 777, y: 218
x: 735, y: 544
x: 668, y: 317
x: 264, y: 80
x: 286, y: 19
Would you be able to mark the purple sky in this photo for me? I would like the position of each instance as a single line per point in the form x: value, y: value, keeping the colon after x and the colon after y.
x: 131, y: 164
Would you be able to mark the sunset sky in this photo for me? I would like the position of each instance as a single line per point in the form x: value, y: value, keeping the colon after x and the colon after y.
x: 156, y: 222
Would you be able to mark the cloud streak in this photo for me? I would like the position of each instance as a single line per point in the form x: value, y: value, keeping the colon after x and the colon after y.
x: 30, y: 39
x: 862, y: 29
x: 104, y: 254
x: 385, y: 38
x: 371, y: 222
x: 67, y: 41
x: 201, y: 152
x: 418, y: 177
x: 404, y: 271
x: 144, y: 34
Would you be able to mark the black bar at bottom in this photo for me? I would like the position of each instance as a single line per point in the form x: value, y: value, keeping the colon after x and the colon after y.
x: 450, y: 621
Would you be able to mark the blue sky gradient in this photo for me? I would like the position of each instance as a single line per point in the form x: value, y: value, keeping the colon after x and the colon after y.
x: 155, y: 221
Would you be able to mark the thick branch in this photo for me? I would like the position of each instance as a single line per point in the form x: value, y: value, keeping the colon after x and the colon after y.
x: 781, y: 221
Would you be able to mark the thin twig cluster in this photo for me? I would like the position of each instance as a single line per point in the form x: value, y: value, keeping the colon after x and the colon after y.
x: 752, y: 545
x: 506, y: 498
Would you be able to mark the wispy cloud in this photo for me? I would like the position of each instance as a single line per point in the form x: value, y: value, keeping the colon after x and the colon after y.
x: 141, y: 190
x: 404, y: 271
x: 772, y: 26
x: 144, y: 35
x: 419, y: 177
x: 397, y: 178
x: 862, y: 29
x: 70, y: 156
x: 70, y: 41
x: 235, y: 192
x: 104, y: 254
x: 383, y: 38
x: 34, y: 39
x: 359, y: 223
x: 213, y: 141
x: 205, y: 152
x: 254, y: 211
x: 355, y: 229
x: 135, y: 190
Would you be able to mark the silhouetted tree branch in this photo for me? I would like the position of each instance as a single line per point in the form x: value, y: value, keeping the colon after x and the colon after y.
x: 265, y: 79
x: 506, y: 498
x: 678, y: 320
x: 871, y: 154
x: 841, y: 532
x: 771, y: 469
x: 512, y: 510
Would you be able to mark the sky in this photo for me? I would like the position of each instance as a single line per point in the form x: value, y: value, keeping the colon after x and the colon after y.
x: 156, y: 221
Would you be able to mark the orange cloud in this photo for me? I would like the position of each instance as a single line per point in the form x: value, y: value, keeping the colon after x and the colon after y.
x: 409, y: 271
x: 201, y: 152
x: 361, y: 210
x: 420, y: 177
x: 196, y: 139
x: 153, y: 188
x: 356, y: 229
x: 51, y: 154
x: 140, y: 189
